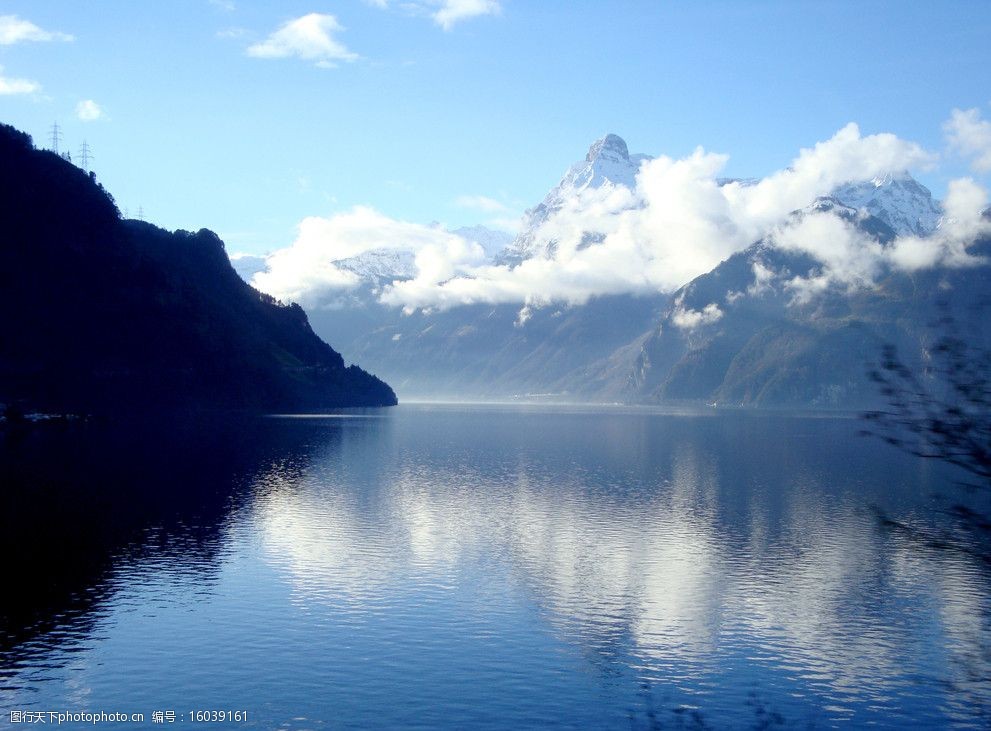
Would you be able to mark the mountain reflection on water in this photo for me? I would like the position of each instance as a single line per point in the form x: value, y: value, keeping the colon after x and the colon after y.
x: 491, y: 567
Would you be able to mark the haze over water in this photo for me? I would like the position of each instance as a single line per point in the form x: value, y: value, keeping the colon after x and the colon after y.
x: 491, y: 567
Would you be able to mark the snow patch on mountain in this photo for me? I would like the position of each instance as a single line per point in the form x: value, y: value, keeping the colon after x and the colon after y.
x: 607, y: 164
x: 380, y: 265
x: 898, y: 199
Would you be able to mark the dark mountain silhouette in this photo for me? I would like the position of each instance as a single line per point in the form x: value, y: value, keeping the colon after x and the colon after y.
x: 103, y: 314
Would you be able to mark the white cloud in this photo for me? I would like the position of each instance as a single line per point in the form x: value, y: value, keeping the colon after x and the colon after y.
x: 963, y: 223
x: 451, y: 12
x: 677, y: 223
x: 851, y: 259
x: 17, y: 30
x: 763, y: 275
x: 848, y: 257
x: 10, y: 86
x: 970, y: 136
x: 306, y: 271
x: 691, y: 319
x: 89, y: 111
x: 310, y: 37
x: 228, y: 6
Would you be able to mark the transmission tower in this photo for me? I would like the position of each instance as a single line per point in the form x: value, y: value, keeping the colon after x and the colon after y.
x: 141, y: 213
x: 56, y: 137
x: 85, y: 156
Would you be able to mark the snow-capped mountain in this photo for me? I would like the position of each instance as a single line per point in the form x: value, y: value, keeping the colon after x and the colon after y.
x: 380, y: 264
x: 827, y: 203
x: 608, y: 162
x: 898, y: 199
x: 739, y: 334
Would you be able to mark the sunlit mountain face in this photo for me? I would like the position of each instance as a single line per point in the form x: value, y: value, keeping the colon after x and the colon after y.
x: 650, y: 279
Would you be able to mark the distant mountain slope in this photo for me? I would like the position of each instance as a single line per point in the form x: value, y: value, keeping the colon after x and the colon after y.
x: 767, y: 349
x: 485, y: 351
x: 103, y: 314
x: 732, y: 336
x: 764, y: 350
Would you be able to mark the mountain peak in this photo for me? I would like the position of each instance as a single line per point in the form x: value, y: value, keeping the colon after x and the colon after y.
x: 611, y: 145
x: 608, y: 163
x: 896, y: 198
x: 898, y: 176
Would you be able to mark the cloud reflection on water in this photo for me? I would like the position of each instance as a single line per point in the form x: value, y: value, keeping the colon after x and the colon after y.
x: 696, y: 568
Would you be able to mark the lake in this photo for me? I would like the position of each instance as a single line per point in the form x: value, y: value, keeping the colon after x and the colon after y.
x: 489, y: 567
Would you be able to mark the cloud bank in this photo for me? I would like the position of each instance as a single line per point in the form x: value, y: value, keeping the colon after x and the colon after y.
x: 17, y: 30
x: 310, y: 37
x: 970, y: 136
x: 10, y: 86
x: 306, y: 271
x: 679, y: 222
x: 851, y: 259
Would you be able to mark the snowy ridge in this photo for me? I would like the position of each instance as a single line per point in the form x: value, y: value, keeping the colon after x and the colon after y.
x: 608, y: 162
x: 380, y: 264
x: 898, y: 199
x: 827, y: 203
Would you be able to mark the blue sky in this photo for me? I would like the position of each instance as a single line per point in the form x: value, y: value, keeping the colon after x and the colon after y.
x: 414, y: 117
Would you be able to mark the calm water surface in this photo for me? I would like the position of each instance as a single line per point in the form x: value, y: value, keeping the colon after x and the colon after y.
x: 489, y: 567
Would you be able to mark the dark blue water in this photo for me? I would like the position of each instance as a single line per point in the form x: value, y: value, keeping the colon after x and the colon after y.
x: 490, y: 567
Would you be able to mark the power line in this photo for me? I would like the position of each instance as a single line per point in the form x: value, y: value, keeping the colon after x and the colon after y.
x: 56, y: 137
x: 85, y: 156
